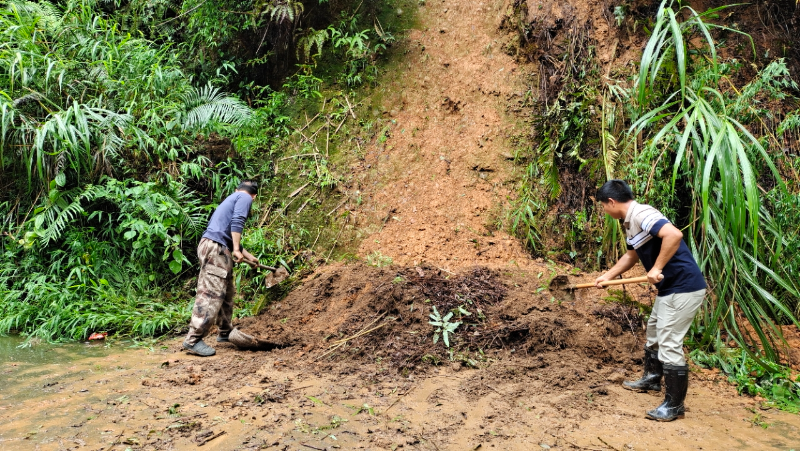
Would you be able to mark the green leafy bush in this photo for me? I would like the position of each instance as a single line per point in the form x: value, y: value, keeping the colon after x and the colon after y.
x: 769, y: 380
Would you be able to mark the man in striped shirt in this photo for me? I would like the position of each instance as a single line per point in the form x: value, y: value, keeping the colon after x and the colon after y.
x: 670, y: 266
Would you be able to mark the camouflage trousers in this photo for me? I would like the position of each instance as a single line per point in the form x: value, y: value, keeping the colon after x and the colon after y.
x: 214, y: 301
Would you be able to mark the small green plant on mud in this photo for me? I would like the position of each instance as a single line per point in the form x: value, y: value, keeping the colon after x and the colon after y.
x: 624, y: 298
x: 431, y: 359
x: 378, y: 259
x: 363, y: 408
x: 758, y: 419
x: 443, y: 326
x: 173, y: 410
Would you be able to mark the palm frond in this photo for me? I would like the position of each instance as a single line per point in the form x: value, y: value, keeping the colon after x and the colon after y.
x: 209, y: 104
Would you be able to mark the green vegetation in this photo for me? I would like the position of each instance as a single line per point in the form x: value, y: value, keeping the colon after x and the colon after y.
x: 766, y: 379
x: 117, y: 141
x: 716, y: 155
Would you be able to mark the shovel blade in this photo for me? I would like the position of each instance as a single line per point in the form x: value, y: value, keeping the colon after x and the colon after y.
x: 246, y: 341
x: 561, y: 288
x: 276, y: 277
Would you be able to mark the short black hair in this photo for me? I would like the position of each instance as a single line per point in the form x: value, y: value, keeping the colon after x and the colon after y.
x: 248, y: 185
x: 615, y: 189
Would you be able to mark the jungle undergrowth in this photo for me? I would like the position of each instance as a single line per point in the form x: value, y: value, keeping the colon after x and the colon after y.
x: 111, y: 249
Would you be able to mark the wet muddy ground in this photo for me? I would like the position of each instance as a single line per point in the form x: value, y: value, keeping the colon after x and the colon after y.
x: 537, y: 386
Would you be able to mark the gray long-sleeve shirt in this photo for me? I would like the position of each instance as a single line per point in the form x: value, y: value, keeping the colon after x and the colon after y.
x: 229, y: 217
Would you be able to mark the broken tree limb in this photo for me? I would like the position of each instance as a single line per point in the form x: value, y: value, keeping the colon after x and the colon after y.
x: 339, y: 343
x: 264, y: 218
x: 350, y: 107
x: 313, y: 154
x: 306, y: 202
x: 359, y: 332
x: 337, y: 207
x: 297, y: 191
x: 211, y: 438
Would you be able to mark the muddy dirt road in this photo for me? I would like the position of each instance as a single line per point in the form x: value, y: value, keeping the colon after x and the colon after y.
x: 546, y: 377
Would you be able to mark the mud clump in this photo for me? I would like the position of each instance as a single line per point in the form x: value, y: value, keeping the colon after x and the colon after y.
x: 357, y: 314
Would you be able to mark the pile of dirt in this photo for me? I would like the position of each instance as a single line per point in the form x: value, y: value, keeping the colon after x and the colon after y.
x: 366, y: 315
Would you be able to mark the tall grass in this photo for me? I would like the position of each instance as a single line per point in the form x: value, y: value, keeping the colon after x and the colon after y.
x: 718, y: 160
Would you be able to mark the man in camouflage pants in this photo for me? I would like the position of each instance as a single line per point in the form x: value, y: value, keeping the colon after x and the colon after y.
x: 219, y: 248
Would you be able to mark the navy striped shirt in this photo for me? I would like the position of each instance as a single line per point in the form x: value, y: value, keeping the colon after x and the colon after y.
x: 681, y: 273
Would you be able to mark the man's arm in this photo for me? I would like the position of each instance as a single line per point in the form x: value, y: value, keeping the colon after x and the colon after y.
x: 240, y: 211
x: 670, y: 242
x: 625, y: 263
x: 237, y: 247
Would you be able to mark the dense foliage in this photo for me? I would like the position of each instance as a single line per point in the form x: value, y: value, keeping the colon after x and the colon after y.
x: 115, y: 149
x: 718, y: 156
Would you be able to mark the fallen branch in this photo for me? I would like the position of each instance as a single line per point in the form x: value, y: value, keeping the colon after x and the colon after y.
x: 298, y: 388
x: 338, y: 344
x: 399, y: 398
x: 211, y: 438
x: 309, y: 122
x: 297, y: 191
x: 313, y: 154
x: 337, y: 207
x: 359, y: 333
x: 116, y: 439
x: 494, y: 390
x: 305, y: 203
x: 350, y: 107
x: 362, y: 334
x: 264, y: 218
x: 313, y: 447
x: 604, y: 442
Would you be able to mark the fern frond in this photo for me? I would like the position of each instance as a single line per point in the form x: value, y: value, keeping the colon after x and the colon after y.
x: 281, y: 11
x: 311, y: 39
x: 209, y: 105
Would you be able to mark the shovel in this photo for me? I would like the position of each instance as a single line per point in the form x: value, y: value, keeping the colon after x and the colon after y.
x: 276, y: 275
x: 245, y: 341
x: 560, y: 284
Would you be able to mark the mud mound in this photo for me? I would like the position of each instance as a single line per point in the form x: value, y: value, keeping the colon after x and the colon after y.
x: 363, y: 314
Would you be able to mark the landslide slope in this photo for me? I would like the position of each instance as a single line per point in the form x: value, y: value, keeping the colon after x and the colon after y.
x: 438, y: 181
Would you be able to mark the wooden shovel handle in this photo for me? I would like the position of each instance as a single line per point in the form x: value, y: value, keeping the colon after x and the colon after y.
x: 259, y: 265
x: 614, y: 282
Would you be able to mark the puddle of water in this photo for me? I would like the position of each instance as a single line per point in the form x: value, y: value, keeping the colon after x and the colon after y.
x: 18, y: 360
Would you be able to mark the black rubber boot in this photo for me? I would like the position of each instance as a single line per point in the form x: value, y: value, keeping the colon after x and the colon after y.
x: 651, y: 379
x: 676, y: 380
x: 200, y: 348
x: 222, y: 338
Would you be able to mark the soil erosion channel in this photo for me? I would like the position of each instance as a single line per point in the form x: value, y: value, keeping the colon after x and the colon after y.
x: 360, y: 369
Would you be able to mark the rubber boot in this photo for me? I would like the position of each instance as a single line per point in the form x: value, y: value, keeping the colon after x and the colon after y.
x: 223, y: 338
x: 651, y: 379
x: 676, y: 380
x: 200, y: 348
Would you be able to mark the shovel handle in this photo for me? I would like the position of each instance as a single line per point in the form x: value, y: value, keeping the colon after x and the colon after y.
x: 259, y: 265
x: 614, y: 282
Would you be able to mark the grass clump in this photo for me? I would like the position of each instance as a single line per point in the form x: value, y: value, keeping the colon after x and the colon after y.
x: 769, y: 380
